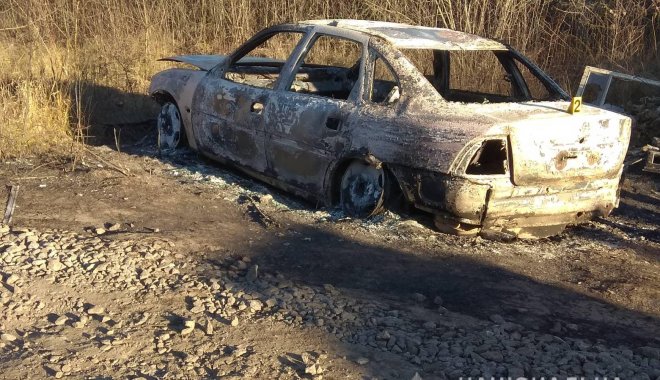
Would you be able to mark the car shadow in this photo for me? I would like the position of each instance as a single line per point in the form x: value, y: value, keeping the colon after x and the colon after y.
x: 111, y: 117
x: 465, y: 284
x: 634, y: 223
x: 372, y: 272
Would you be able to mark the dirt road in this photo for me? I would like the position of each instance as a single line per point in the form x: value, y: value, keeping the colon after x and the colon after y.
x: 184, y: 269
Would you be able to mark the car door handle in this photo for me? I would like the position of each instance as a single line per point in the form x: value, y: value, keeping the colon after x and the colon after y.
x: 257, y: 107
x: 333, y: 123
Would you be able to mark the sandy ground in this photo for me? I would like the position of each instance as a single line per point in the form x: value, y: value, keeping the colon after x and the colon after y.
x: 186, y: 269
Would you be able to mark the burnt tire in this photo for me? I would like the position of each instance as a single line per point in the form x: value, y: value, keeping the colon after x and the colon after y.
x: 171, y: 134
x: 362, y: 190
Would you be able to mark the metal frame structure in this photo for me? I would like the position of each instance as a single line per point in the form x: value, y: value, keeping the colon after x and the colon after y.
x: 609, y: 75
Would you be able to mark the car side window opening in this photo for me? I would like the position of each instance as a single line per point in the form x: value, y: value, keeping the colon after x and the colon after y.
x: 261, y: 66
x: 385, y: 88
x: 479, y: 76
x: 330, y: 68
x: 489, y: 159
x: 538, y: 91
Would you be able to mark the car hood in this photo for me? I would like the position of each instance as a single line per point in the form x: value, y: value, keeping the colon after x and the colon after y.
x: 203, y: 62
x: 207, y: 62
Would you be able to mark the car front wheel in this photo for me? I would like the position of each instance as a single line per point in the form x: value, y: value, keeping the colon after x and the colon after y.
x: 170, y: 127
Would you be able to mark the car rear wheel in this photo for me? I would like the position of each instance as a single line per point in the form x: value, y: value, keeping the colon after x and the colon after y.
x: 170, y: 127
x: 362, y: 189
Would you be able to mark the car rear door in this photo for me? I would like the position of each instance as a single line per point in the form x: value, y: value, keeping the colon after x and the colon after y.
x: 307, y: 120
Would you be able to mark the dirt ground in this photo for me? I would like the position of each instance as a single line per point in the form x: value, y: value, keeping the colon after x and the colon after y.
x: 178, y: 268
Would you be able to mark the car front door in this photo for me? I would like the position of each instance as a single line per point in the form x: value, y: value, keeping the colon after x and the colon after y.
x: 228, y: 106
x: 308, y: 118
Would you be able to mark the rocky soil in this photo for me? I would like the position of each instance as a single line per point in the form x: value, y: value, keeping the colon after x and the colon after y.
x: 185, y: 270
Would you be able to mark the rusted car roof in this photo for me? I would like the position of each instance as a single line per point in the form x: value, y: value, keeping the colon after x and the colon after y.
x: 406, y: 36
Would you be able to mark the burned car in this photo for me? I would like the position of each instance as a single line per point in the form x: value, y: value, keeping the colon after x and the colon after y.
x: 353, y: 112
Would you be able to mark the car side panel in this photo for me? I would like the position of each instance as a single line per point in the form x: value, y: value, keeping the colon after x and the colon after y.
x: 301, y: 144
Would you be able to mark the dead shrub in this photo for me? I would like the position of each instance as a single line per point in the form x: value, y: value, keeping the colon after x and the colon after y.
x: 59, y: 58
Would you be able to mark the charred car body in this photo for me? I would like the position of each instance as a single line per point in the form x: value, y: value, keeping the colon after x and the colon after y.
x: 348, y: 112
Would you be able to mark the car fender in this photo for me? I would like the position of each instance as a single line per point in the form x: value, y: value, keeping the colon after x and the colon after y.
x: 178, y: 85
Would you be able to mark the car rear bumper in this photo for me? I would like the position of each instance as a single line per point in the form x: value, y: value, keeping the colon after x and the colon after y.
x: 465, y: 205
x: 534, y: 216
x: 549, y: 209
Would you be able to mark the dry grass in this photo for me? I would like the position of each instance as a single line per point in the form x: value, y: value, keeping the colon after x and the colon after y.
x: 67, y: 63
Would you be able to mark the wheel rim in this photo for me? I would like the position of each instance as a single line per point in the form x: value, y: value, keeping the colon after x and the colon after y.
x: 362, y: 190
x: 169, y: 126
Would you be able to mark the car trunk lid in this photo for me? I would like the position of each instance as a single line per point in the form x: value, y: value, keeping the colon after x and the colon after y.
x: 561, y: 148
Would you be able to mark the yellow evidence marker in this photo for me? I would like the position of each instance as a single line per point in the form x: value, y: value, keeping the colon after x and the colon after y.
x: 576, y: 104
